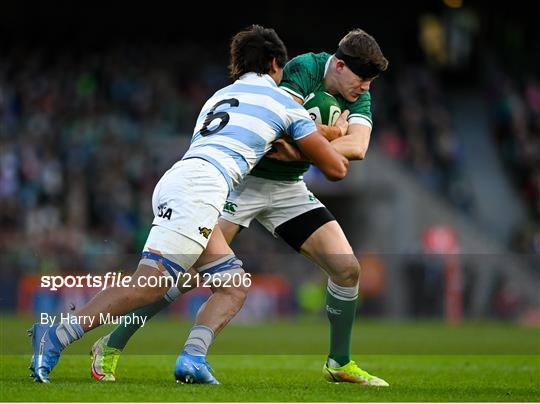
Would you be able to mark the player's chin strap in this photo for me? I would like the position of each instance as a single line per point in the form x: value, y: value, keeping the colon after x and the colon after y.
x: 229, y: 264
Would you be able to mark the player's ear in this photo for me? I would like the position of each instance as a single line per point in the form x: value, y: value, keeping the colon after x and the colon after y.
x: 274, y: 66
x: 276, y: 71
x: 340, y: 65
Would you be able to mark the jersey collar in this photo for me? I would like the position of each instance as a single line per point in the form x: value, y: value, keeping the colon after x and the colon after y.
x: 254, y: 78
x: 327, y: 65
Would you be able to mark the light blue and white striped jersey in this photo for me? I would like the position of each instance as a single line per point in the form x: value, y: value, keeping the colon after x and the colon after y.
x: 238, y: 123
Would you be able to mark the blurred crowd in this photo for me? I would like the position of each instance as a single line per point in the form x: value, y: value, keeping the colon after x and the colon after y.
x: 515, y: 112
x: 414, y: 126
x: 78, y: 160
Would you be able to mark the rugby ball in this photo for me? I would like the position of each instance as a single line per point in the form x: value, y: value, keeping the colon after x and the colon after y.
x: 322, y: 107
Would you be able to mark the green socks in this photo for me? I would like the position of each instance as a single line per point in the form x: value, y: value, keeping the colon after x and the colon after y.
x: 341, y: 305
x: 121, y: 334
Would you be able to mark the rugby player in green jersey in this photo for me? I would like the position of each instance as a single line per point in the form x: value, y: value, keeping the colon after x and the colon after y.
x: 292, y: 212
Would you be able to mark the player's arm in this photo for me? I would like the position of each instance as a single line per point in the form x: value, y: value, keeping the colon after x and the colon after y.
x: 284, y: 150
x: 330, y: 132
x: 354, y: 146
x: 319, y: 151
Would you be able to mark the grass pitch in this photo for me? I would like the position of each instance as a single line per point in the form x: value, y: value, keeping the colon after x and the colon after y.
x: 283, y: 361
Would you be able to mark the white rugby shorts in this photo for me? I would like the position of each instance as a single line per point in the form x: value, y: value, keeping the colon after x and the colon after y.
x: 188, y: 200
x: 270, y: 202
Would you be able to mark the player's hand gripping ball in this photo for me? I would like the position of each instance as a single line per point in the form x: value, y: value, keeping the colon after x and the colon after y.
x: 323, y: 107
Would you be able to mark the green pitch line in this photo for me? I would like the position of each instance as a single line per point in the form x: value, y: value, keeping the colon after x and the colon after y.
x: 284, y: 378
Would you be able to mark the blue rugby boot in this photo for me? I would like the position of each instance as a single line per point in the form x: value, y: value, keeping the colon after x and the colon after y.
x: 46, y: 351
x: 193, y: 369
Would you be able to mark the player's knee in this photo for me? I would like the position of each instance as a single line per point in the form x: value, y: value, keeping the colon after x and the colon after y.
x: 238, y: 294
x: 348, y: 271
x: 155, y: 277
x: 136, y: 296
x: 355, y: 272
x: 147, y: 294
x: 229, y: 278
x: 145, y: 290
x: 352, y: 273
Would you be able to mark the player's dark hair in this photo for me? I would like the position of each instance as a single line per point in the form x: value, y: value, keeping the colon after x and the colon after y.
x: 253, y: 50
x: 362, y: 53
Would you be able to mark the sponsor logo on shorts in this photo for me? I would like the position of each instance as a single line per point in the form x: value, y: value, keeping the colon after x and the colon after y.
x: 205, y: 231
x: 311, y: 197
x: 230, y: 207
x: 164, y: 211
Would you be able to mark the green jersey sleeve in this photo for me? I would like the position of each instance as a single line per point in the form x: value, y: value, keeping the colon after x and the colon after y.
x: 304, y: 74
x: 360, y: 110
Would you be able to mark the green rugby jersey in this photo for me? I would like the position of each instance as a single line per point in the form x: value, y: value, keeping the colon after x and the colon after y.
x: 302, y: 76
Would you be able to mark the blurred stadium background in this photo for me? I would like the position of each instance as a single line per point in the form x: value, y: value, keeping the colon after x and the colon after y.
x: 97, y: 102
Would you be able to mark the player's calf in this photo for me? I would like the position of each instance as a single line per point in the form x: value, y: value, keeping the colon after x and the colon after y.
x: 191, y: 365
